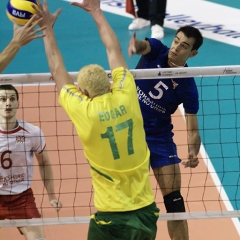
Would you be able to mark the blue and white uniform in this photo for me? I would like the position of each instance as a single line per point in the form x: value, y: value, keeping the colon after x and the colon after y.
x: 159, y: 99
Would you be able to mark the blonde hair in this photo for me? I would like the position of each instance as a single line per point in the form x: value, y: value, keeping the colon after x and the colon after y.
x: 94, y: 80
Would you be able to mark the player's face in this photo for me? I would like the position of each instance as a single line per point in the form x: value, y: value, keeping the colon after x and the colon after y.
x: 8, y: 104
x: 181, y: 49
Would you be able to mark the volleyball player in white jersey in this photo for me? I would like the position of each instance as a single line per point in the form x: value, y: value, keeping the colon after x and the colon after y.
x: 19, y: 142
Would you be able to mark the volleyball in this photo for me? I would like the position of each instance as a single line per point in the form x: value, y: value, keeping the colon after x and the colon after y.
x: 20, y: 10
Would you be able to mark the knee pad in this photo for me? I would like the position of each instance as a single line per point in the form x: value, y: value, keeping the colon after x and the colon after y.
x: 174, y: 202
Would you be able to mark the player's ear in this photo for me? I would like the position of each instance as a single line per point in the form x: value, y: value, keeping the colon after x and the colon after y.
x: 86, y: 93
x: 193, y: 53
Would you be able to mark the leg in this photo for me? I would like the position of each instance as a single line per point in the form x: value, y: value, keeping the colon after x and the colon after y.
x: 158, y: 12
x: 33, y: 232
x: 169, y: 180
x: 143, y: 9
x: 22, y: 206
x: 157, y: 15
x: 142, y: 19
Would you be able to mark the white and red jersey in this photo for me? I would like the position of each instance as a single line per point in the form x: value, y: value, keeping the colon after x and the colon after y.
x: 16, y: 157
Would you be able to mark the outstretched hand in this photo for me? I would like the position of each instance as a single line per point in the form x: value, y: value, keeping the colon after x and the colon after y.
x: 24, y: 35
x: 47, y: 18
x: 88, y: 5
x: 192, y: 161
x: 132, y: 45
x: 56, y: 204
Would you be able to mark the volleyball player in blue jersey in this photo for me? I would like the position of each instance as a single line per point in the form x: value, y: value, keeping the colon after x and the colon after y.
x: 159, y: 99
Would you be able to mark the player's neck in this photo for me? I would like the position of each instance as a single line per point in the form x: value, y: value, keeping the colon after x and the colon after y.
x: 9, y: 125
x: 171, y: 64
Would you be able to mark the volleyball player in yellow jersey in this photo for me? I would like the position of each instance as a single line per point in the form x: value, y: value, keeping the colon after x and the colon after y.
x: 110, y: 126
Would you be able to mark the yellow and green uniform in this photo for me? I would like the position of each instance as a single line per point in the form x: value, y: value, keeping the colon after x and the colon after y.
x: 110, y: 128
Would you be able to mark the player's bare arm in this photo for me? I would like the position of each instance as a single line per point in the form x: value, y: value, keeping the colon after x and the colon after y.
x: 54, y: 57
x: 109, y: 38
x: 194, y: 141
x: 138, y: 47
x: 46, y: 173
x: 21, y: 37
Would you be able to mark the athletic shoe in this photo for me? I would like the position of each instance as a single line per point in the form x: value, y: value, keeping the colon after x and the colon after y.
x: 157, y: 32
x: 138, y: 23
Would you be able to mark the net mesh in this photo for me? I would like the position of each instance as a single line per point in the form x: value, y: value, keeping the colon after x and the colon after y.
x: 212, y: 190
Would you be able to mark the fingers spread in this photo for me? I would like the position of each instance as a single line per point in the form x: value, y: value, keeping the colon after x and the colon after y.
x: 56, y: 14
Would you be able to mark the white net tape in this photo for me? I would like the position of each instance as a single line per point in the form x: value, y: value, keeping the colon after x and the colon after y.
x: 230, y: 70
x: 46, y: 78
x: 85, y: 220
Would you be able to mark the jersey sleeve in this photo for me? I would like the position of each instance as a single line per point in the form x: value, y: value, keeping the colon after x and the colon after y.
x: 123, y: 81
x: 70, y: 98
x: 158, y: 51
x: 191, y: 99
x: 157, y: 48
x: 39, y: 141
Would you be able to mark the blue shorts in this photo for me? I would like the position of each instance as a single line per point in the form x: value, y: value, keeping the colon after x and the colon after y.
x: 162, y: 152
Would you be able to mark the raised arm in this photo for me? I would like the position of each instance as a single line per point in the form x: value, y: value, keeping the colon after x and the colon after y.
x: 138, y: 47
x: 109, y: 38
x: 54, y: 57
x: 21, y: 37
x: 46, y: 174
x: 194, y: 140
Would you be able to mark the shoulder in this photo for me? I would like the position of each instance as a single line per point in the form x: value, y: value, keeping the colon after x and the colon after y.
x: 123, y: 81
x: 185, y: 86
x: 157, y: 45
x: 121, y: 74
x: 189, y: 82
x: 70, y: 91
x: 69, y: 88
x: 158, y: 50
x: 29, y: 128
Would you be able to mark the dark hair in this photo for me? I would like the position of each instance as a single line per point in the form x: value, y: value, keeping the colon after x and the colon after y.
x: 9, y: 87
x: 192, y: 32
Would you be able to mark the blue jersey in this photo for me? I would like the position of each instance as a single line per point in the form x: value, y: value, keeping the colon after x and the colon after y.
x: 159, y: 99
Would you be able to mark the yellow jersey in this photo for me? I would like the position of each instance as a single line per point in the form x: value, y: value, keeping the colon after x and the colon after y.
x: 110, y: 128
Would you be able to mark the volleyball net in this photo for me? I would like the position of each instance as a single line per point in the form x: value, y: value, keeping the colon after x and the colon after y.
x: 212, y: 190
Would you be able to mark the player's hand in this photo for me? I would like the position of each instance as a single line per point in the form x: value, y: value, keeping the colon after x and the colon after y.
x: 56, y: 204
x: 24, y: 35
x: 48, y: 19
x: 132, y: 45
x: 192, y: 161
x: 88, y: 5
